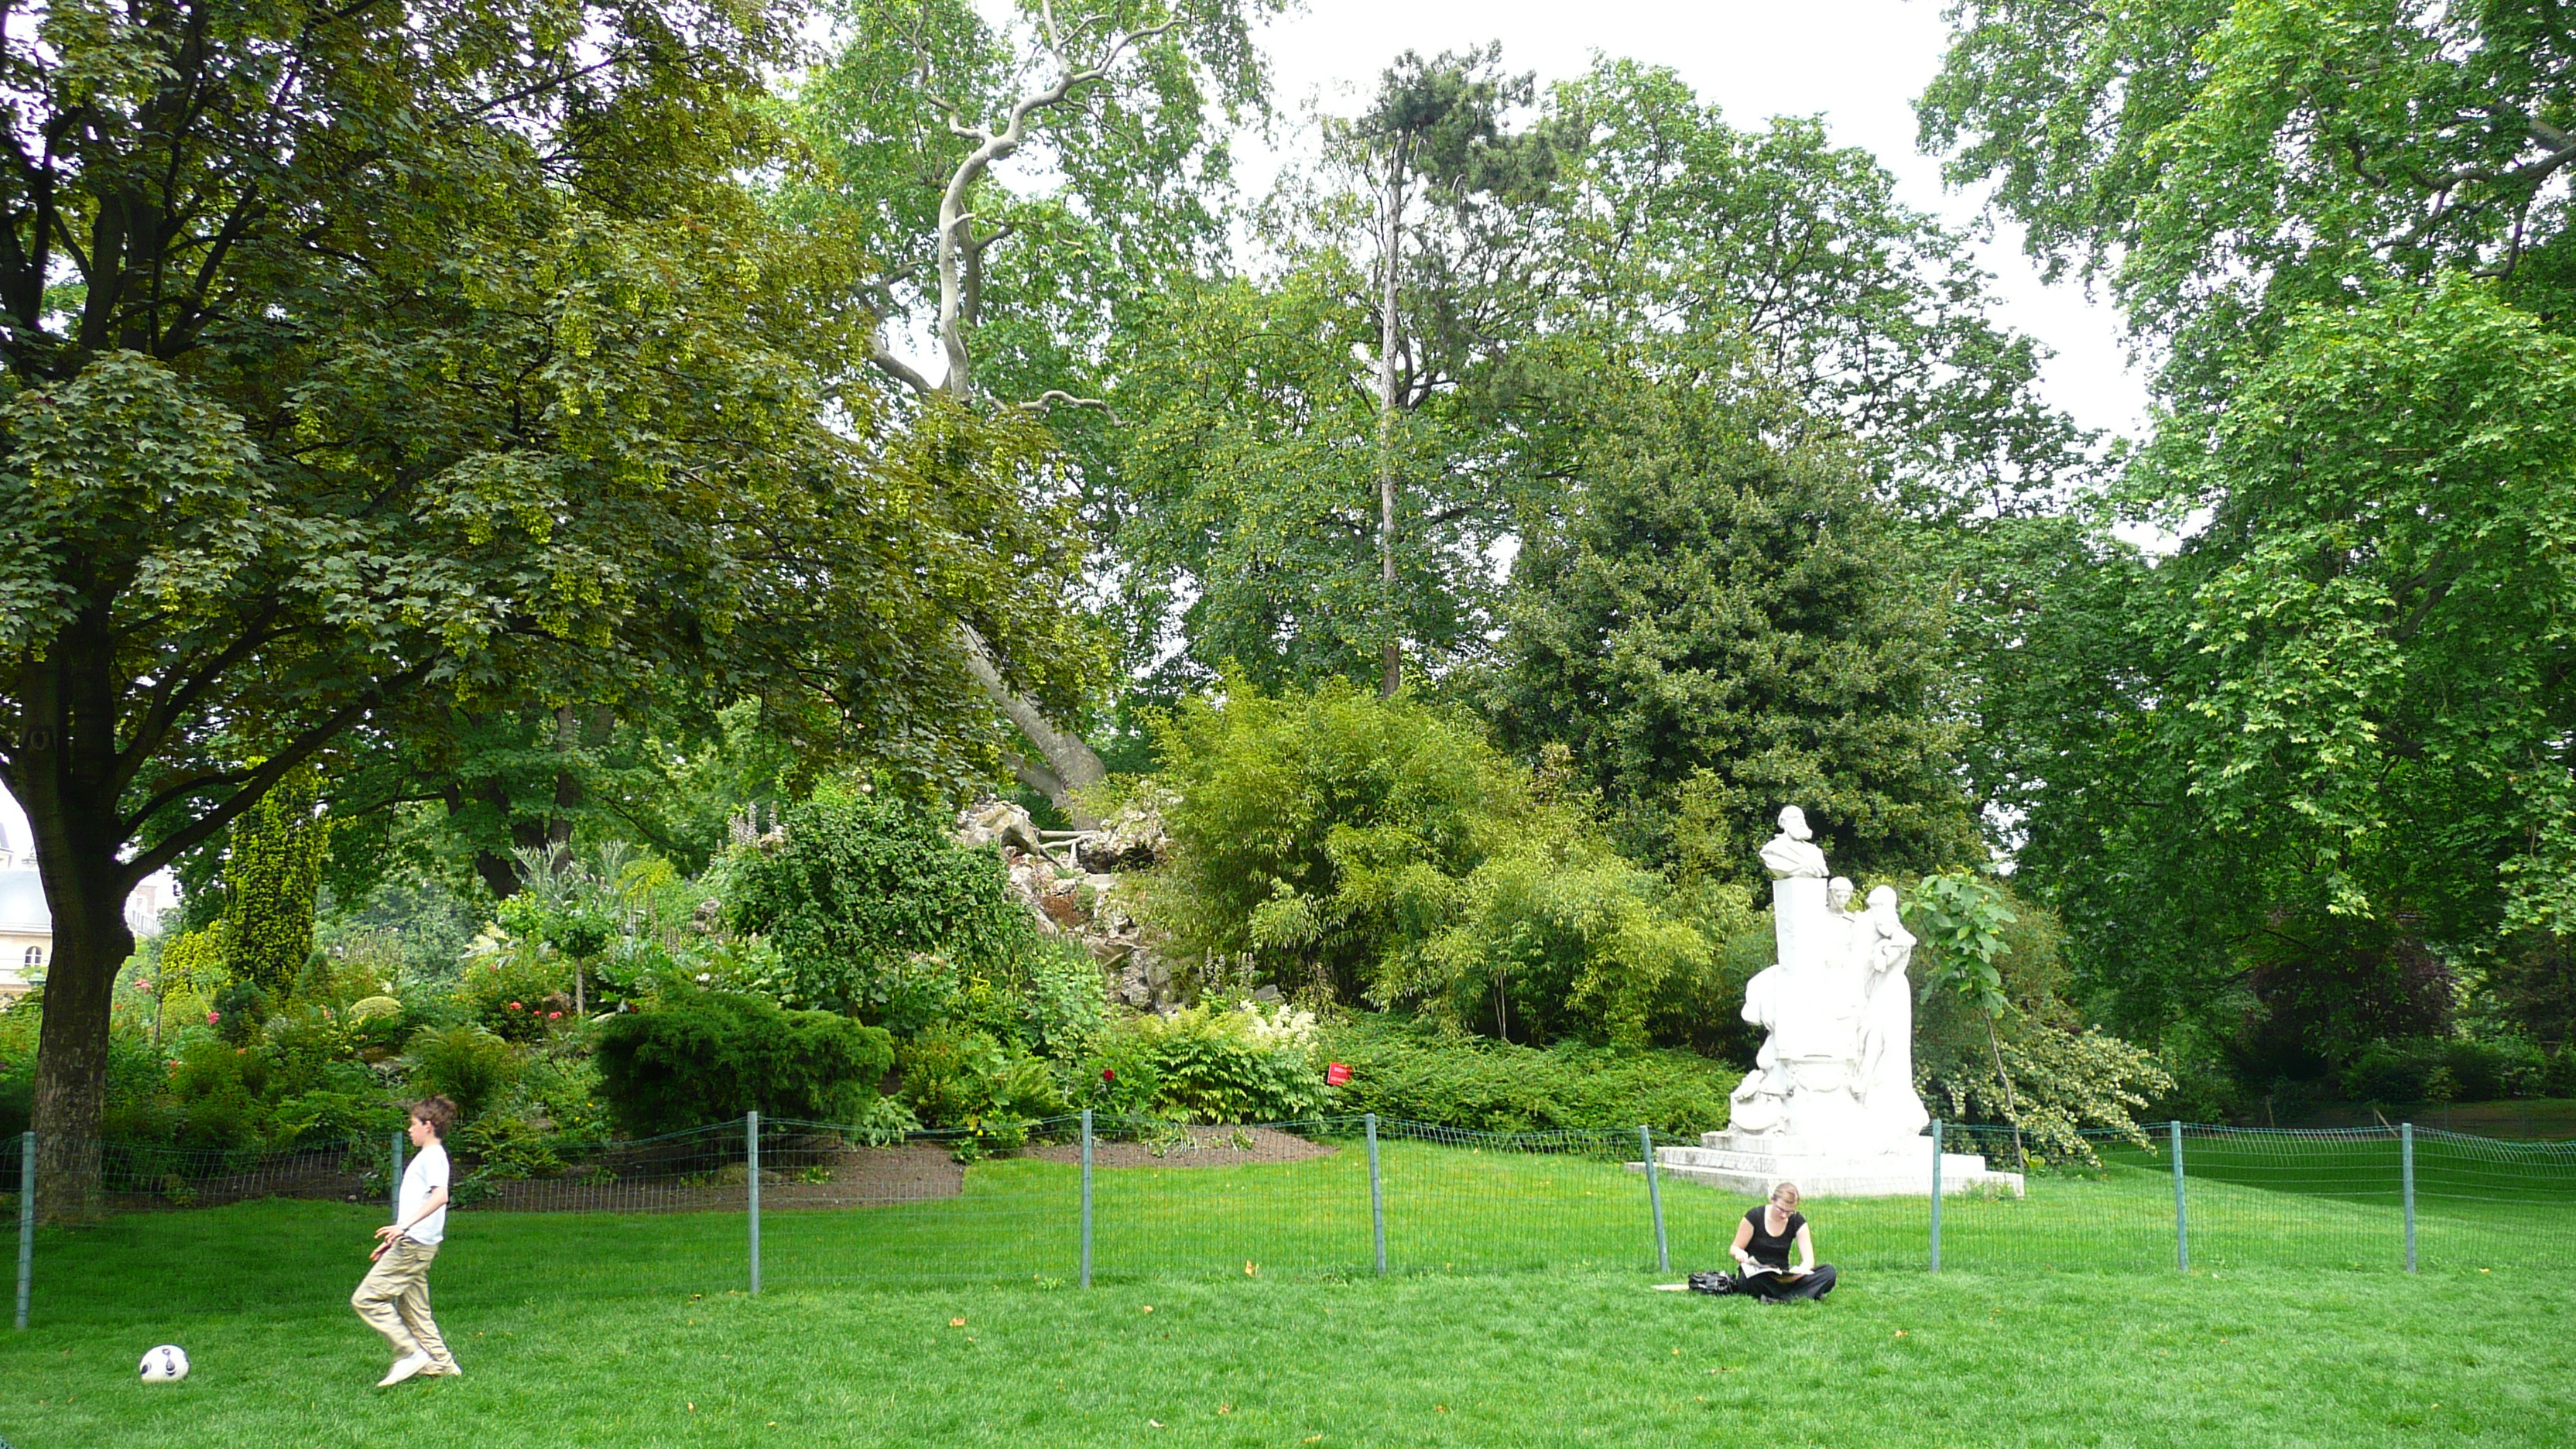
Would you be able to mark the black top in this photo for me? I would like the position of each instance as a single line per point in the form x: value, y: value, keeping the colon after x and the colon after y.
x: 1766, y: 1248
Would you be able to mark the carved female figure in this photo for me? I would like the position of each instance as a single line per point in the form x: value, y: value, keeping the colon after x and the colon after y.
x: 1894, y: 1109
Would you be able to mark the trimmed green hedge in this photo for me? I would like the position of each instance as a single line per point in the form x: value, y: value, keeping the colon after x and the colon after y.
x: 2450, y: 1069
x: 1406, y: 1070
x: 700, y: 1058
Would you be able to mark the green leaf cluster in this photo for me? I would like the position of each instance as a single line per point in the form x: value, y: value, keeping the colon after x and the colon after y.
x: 270, y: 884
x: 860, y: 886
x: 1959, y: 919
x: 1210, y: 1063
x: 1415, y: 1072
x: 688, y: 1060
x: 1715, y: 628
x: 1350, y: 847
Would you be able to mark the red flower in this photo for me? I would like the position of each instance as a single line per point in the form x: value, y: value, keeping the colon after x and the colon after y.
x: 1108, y: 1074
x: 553, y: 1015
x: 514, y: 1006
x: 213, y: 1016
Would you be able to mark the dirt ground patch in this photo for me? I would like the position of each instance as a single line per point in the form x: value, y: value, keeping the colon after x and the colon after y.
x: 812, y: 1174
x: 800, y: 1173
x: 1195, y: 1147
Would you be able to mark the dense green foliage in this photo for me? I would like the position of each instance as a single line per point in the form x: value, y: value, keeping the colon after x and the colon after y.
x: 517, y: 452
x: 1715, y: 629
x: 1560, y: 939
x: 467, y: 1064
x: 2305, y: 784
x: 1214, y: 1063
x: 1419, y: 1074
x: 1321, y: 835
x: 1656, y: 238
x: 1343, y: 846
x: 439, y: 370
x: 269, y: 886
x: 858, y: 888
x: 2447, y: 1069
x: 693, y: 1059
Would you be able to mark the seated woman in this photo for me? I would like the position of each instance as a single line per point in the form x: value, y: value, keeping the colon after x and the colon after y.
x: 1762, y: 1248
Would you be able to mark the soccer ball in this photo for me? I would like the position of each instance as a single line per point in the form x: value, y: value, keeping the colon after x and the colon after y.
x: 165, y: 1365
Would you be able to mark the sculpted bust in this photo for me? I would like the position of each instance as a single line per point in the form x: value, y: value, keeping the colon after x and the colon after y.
x: 1792, y: 854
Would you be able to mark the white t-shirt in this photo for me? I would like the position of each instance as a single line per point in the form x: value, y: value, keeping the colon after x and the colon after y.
x: 426, y: 1175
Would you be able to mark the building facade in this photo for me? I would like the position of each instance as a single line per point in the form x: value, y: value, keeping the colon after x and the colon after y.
x: 26, y: 926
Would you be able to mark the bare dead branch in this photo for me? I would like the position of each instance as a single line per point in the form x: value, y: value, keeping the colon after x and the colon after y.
x: 1056, y: 396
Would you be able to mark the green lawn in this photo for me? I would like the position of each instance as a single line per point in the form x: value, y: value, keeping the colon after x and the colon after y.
x: 1517, y: 1315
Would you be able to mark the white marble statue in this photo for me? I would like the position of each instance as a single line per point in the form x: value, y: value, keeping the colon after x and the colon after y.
x: 1887, y: 1027
x: 1793, y: 853
x: 1830, y: 1103
x: 1837, y: 1056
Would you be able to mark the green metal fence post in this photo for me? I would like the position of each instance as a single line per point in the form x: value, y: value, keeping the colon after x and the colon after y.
x: 2406, y: 1176
x: 751, y: 1180
x: 1377, y: 1199
x: 1936, y: 1194
x: 1086, y: 1197
x: 1655, y: 1197
x: 26, y: 1222
x: 393, y: 1184
x: 2182, y: 1219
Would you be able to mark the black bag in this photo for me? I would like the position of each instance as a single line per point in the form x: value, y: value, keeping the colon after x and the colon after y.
x: 1712, y: 1283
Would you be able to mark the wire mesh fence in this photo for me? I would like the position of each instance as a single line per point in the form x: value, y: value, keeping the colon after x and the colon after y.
x: 734, y: 1206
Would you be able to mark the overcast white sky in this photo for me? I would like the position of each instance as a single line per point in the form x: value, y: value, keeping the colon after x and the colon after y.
x: 1857, y: 63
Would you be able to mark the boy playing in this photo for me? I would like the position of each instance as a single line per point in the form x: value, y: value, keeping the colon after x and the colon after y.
x: 394, y: 1299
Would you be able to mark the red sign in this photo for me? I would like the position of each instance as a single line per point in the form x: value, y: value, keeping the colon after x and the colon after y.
x: 1335, y: 1074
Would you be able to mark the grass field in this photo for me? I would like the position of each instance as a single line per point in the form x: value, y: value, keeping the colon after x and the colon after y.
x: 1517, y: 1316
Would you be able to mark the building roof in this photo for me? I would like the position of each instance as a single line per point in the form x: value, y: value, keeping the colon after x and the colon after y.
x: 22, y: 903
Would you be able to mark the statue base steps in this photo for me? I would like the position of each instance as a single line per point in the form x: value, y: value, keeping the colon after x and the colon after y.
x: 1753, y: 1166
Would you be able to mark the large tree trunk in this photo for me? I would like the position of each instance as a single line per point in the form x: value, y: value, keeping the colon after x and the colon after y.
x: 568, y: 793
x: 500, y: 872
x: 1068, y: 765
x: 65, y: 773
x: 91, y: 943
x: 1390, y: 248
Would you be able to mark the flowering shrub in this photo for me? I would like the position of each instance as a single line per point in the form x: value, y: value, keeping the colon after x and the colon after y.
x: 2063, y: 1082
x: 514, y: 989
x: 1277, y: 1026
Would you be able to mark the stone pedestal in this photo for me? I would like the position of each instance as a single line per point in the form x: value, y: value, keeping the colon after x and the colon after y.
x: 1752, y: 1164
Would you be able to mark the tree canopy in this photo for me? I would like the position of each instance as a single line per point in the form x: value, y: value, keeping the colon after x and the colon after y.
x: 2300, y: 779
x: 420, y: 362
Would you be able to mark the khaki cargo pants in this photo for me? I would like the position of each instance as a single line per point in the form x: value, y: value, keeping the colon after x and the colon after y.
x: 394, y: 1300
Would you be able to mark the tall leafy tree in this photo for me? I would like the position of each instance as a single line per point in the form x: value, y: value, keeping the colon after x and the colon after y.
x: 370, y: 364
x: 1715, y: 628
x: 2334, y: 726
x: 1665, y: 241
x: 917, y: 115
x: 2284, y: 781
x: 2222, y: 163
x: 1435, y: 135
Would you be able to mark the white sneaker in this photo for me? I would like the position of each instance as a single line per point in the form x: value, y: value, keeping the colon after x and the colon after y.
x: 403, y: 1368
